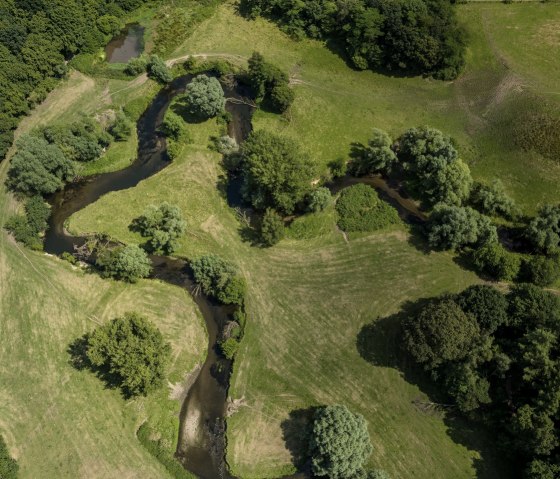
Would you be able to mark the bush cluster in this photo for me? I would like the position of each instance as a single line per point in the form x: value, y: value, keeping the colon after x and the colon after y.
x: 360, y: 209
x: 219, y: 278
x: 27, y: 228
x: 270, y: 84
x: 127, y: 263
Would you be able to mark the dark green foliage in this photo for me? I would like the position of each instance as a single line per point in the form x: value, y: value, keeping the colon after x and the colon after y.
x: 204, y: 97
x: 135, y: 66
x: 494, y: 260
x: 453, y: 227
x: 270, y: 84
x: 132, y: 352
x: 412, y: 36
x: 493, y: 200
x: 37, y: 213
x: 340, y: 443
x: 122, y: 127
x: 219, y: 278
x: 377, y: 157
x: 544, y: 230
x: 8, y: 466
x: 126, y: 263
x: 541, y: 270
x: 486, y: 304
x: 229, y: 347
x: 157, y: 69
x: 506, y: 376
x: 276, y: 173
x: 338, y: 167
x: 38, y: 168
x: 173, y: 126
x: 432, y: 167
x: 319, y: 199
x: 22, y: 232
x: 163, y: 225
x: 360, y: 209
x: 68, y: 257
x: 441, y: 332
x: 272, y: 228
x: 157, y: 449
x: 35, y: 40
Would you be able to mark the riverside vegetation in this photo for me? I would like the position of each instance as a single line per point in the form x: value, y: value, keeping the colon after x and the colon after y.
x: 297, y: 342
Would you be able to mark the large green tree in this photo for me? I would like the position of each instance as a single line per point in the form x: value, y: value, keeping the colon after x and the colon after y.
x: 204, y: 97
x: 132, y: 351
x: 276, y: 173
x: 127, y: 263
x: 219, y: 278
x: 340, y: 443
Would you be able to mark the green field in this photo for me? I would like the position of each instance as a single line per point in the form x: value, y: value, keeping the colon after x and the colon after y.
x: 308, y: 298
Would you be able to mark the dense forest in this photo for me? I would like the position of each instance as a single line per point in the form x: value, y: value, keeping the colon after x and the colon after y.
x: 37, y: 37
x: 401, y: 36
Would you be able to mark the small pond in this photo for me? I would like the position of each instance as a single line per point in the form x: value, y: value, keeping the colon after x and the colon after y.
x: 129, y: 43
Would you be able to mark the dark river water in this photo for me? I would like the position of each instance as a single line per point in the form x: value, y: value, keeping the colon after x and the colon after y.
x: 129, y: 43
x: 201, y: 442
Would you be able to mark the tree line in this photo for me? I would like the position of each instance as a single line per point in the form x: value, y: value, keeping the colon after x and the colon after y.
x: 400, y: 36
x: 37, y: 37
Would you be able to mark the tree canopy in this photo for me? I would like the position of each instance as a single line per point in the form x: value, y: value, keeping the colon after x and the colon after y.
x: 219, y: 278
x: 276, y: 173
x: 126, y: 263
x: 377, y: 157
x: 340, y: 443
x: 204, y: 97
x: 132, y: 351
x: 544, y: 230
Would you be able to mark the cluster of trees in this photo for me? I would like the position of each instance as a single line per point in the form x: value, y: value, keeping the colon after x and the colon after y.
x: 126, y: 263
x: 27, y: 228
x: 35, y: 40
x: 153, y: 65
x: 359, y: 208
x: 129, y: 352
x: 496, y: 355
x: 162, y: 225
x: 406, y: 36
x: 270, y: 84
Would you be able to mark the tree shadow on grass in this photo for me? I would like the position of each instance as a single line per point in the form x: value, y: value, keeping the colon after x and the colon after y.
x: 296, y: 432
x: 380, y: 343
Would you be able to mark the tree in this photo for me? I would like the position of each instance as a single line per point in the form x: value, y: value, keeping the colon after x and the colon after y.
x: 541, y: 270
x: 452, y: 227
x: 431, y: 164
x: 493, y: 200
x: 173, y: 126
x: 319, y: 199
x: 282, y: 97
x: 493, y: 259
x: 544, y: 230
x: 276, y: 173
x: 338, y: 167
x: 109, y: 24
x: 122, y: 127
x: 157, y: 69
x: 269, y: 83
x: 340, y: 443
x: 272, y: 228
x: 137, y: 65
x: 8, y: 466
x: 163, y: 224
x: 126, y: 263
x: 486, y: 304
x: 132, y: 351
x: 204, y: 97
x: 38, y: 168
x: 439, y: 333
x: 377, y: 157
x: 219, y: 278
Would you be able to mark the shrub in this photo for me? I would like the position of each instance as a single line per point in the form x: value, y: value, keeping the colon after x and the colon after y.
x: 319, y: 199
x: 157, y: 69
x: 377, y: 157
x: 135, y: 66
x: 340, y: 443
x: 272, y: 228
x: 493, y: 200
x: 226, y: 145
x: 281, y: 97
x: 541, y: 270
x: 219, y: 278
x: 276, y: 174
x: 122, y: 127
x: 8, y: 466
x: 453, y: 227
x: 26, y: 228
x: 338, y: 167
x: 269, y: 83
x: 204, y: 97
x: 229, y: 347
x: 544, y: 230
x: 109, y: 24
x: 132, y: 352
x: 127, y: 263
x: 37, y: 212
x: 173, y: 126
x: 360, y: 209
x: 493, y: 259
x: 66, y: 256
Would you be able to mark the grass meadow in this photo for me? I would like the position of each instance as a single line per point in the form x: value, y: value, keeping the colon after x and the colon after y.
x: 314, y: 300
